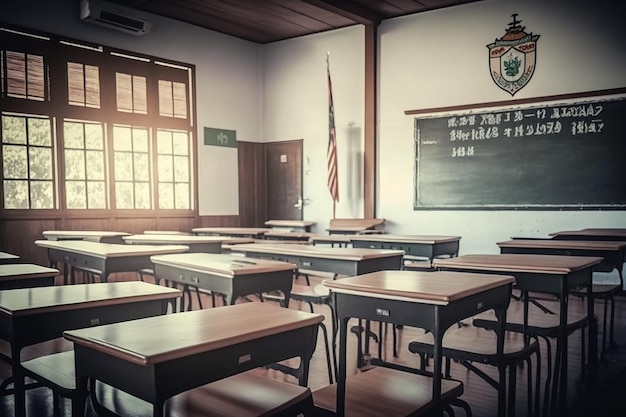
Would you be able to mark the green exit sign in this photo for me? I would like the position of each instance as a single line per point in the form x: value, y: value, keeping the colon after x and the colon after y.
x: 220, y: 137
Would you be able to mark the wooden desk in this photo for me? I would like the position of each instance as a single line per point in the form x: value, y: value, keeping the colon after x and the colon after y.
x: 104, y: 258
x: 355, y: 226
x: 8, y: 258
x: 290, y: 225
x: 26, y: 276
x: 159, y: 357
x: 430, y: 300
x: 591, y: 234
x: 553, y: 274
x: 613, y: 252
x: 91, y: 235
x: 341, y: 240
x: 251, y: 232
x: 232, y: 276
x: 205, y: 244
x: 424, y: 246
x: 33, y: 315
x: 282, y: 235
x: 339, y: 261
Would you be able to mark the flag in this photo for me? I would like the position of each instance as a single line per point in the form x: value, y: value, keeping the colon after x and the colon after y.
x: 331, y: 156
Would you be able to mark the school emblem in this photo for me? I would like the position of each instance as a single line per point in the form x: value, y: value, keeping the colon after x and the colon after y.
x: 512, y: 58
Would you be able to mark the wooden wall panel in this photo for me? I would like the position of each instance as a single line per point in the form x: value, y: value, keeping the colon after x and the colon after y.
x: 252, y: 188
x: 18, y: 237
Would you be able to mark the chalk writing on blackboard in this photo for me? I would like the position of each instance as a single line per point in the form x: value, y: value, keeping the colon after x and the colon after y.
x: 567, y: 156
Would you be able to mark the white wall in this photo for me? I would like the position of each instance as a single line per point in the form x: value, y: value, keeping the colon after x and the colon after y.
x: 295, y: 106
x: 440, y: 59
x: 228, y: 82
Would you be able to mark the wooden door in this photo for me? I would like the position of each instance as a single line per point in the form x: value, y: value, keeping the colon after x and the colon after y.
x: 284, y: 180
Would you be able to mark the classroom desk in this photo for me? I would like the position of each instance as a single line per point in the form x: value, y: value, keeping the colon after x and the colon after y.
x: 8, y: 258
x: 103, y: 236
x: 553, y: 274
x: 612, y: 252
x: 591, y: 234
x: 290, y: 225
x: 341, y: 240
x: 339, y: 261
x: 251, y: 232
x: 26, y: 276
x: 232, y: 276
x: 413, y: 245
x: 205, y: 244
x: 282, y: 235
x: 159, y: 357
x: 33, y: 315
x: 430, y: 300
x: 104, y: 258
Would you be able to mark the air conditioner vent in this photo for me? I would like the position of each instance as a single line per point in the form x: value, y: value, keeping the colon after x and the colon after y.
x: 114, y: 16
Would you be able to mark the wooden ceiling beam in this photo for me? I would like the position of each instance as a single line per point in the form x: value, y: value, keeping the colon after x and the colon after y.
x: 348, y: 10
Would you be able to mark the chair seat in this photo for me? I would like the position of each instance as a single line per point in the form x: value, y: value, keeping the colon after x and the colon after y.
x: 55, y: 371
x: 474, y: 344
x: 248, y: 394
x: 600, y: 290
x: 385, y: 392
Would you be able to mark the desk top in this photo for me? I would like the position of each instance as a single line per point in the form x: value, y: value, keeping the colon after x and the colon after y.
x: 166, y: 232
x: 39, y: 300
x: 545, y: 264
x: 8, y: 257
x: 440, y: 287
x: 337, y: 238
x: 355, y: 254
x: 188, y: 333
x: 289, y: 223
x: 613, y: 233
x: 24, y: 271
x: 235, y: 231
x: 171, y: 239
x: 406, y: 238
x: 109, y: 250
x: 94, y: 235
x: 598, y: 245
x: 219, y: 264
x: 288, y: 234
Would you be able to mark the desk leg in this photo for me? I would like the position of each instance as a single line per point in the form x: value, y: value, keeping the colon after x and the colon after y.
x: 341, y: 378
x: 19, y: 384
x: 79, y: 399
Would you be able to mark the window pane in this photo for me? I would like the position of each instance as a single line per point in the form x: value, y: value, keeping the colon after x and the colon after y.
x: 39, y: 132
x: 166, y: 195
x: 142, y: 195
x: 140, y: 140
x: 41, y: 195
x: 124, y: 195
x: 166, y: 171
x: 180, y: 100
x: 74, y: 165
x: 122, y: 139
x: 40, y: 163
x: 142, y: 167
x: 16, y: 194
x: 76, y: 195
x: 182, y: 196
x: 140, y: 98
x: 35, y: 78
x: 124, y: 93
x: 14, y: 129
x: 181, y: 143
x: 166, y: 102
x: 92, y: 86
x: 95, y: 162
x: 14, y: 161
x: 164, y: 142
x: 93, y: 136
x: 96, y: 195
x: 73, y: 135
x: 123, y: 166
x: 181, y: 169
x: 76, y: 84
x: 16, y: 74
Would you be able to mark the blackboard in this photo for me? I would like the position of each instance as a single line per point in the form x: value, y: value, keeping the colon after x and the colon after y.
x: 558, y: 156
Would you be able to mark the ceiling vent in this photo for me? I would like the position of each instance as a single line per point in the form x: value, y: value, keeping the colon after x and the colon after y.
x: 114, y: 16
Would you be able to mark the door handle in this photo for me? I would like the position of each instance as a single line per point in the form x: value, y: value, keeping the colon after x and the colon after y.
x: 299, y: 204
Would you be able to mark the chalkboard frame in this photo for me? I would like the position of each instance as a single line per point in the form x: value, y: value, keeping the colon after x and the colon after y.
x: 617, y: 201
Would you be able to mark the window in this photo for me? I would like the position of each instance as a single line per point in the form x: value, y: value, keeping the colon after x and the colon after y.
x: 27, y: 163
x: 80, y: 133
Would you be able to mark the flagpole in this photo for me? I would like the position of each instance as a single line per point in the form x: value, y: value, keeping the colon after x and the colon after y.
x: 331, y: 156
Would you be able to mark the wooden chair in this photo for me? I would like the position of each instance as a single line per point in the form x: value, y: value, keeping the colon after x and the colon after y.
x: 469, y: 345
x: 388, y: 392
x: 543, y: 322
x: 248, y: 394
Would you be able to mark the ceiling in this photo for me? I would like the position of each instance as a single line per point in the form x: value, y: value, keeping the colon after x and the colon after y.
x: 265, y: 21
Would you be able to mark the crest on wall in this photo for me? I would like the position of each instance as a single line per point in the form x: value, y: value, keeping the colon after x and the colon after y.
x: 512, y: 58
